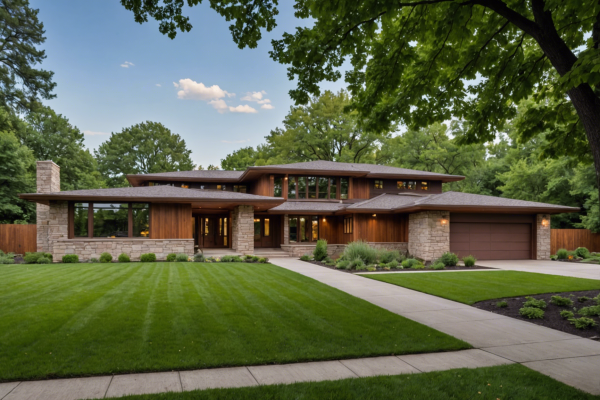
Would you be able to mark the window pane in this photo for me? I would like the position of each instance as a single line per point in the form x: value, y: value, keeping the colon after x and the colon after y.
x: 424, y: 185
x: 343, y: 188
x: 323, y: 187
x: 140, y: 214
x: 412, y: 185
x: 111, y: 220
x: 401, y: 185
x: 225, y: 228
x: 256, y: 229
x: 378, y: 184
x: 315, y: 228
x: 332, y: 188
x: 293, y: 229
x: 267, y: 227
x: 312, y: 187
x: 303, y: 233
x: 206, y: 225
x: 278, y: 187
x: 301, y: 187
x: 80, y: 219
x: 292, y: 187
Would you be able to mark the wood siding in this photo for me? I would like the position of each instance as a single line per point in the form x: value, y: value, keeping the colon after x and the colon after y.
x: 381, y: 228
x: 571, y: 239
x: 18, y: 238
x: 171, y: 221
x: 361, y: 188
x: 263, y: 186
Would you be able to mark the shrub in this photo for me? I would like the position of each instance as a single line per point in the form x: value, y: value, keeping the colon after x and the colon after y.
x: 387, y: 256
x: 583, y: 322
x: 320, y: 252
x: 148, y: 257
x: 248, y: 257
x: 566, y: 314
x: 237, y: 259
x: 562, y: 254
x: 371, y: 269
x: 182, y: 257
x: 418, y: 265
x: 393, y: 264
x: 105, y: 257
x: 597, y: 299
x: 362, y: 250
x: 583, y: 299
x: 532, y: 312
x: 199, y: 257
x: 32, y: 258
x: 171, y: 257
x: 342, y: 264
x: 212, y: 259
x: 409, y: 262
x: 534, y: 303
x: 5, y: 259
x: 255, y: 258
x: 44, y: 260
x: 582, y: 252
x: 469, y: 261
x: 561, y: 301
x: 262, y: 260
x: 356, y: 263
x: 438, y: 265
x: 123, y: 258
x: 93, y: 260
x: 227, y: 259
x: 502, y: 304
x: 305, y: 257
x: 328, y: 261
x: 449, y: 259
x: 70, y: 258
x: 591, y: 311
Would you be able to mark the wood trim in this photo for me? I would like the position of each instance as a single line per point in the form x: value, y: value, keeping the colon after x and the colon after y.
x: 338, y: 192
x: 130, y: 220
x: 350, y: 188
x: 284, y: 187
x: 90, y: 220
x: 272, y: 186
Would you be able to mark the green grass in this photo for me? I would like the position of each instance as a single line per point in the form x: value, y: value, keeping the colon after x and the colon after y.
x: 471, y: 287
x: 85, y: 319
x: 509, y: 382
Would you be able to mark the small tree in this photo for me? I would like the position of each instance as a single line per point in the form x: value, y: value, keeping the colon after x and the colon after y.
x: 320, y: 252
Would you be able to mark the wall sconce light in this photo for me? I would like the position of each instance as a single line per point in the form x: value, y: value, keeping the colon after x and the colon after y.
x: 545, y: 222
x: 374, y: 215
x: 323, y: 219
x: 285, y: 178
x: 444, y: 222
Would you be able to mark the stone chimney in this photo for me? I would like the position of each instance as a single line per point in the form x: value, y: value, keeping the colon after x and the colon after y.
x: 48, y: 181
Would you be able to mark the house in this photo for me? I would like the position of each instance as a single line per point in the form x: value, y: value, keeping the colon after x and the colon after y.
x: 287, y: 206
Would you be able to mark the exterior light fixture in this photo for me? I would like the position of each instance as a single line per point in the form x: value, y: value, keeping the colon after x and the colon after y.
x: 545, y: 222
x: 323, y: 219
x: 444, y: 222
x: 374, y: 215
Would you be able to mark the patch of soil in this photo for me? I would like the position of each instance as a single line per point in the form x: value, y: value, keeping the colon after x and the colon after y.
x: 552, y: 318
x: 379, y: 269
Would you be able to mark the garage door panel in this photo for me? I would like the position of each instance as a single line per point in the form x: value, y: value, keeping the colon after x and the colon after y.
x: 507, y: 237
x: 459, y: 228
x: 458, y: 247
x: 480, y: 237
x: 507, y: 246
x: 512, y: 228
x: 480, y: 246
x: 480, y: 228
x: 459, y: 237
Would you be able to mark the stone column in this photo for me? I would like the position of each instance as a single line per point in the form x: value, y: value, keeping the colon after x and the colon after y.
x: 243, y: 229
x: 428, y: 239
x: 286, y: 229
x: 543, y: 236
x: 48, y: 181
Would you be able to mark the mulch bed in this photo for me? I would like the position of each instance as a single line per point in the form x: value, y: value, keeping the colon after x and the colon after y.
x: 379, y: 269
x: 552, y: 318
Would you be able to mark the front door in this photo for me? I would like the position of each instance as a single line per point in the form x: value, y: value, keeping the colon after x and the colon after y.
x: 214, y: 231
x: 264, y: 231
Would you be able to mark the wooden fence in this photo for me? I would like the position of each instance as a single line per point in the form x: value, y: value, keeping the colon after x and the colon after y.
x: 18, y: 239
x: 571, y: 239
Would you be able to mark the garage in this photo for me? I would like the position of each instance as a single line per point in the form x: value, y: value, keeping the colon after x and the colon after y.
x: 492, y: 237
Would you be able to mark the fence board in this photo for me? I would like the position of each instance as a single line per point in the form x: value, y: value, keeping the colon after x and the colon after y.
x: 571, y: 239
x: 17, y: 238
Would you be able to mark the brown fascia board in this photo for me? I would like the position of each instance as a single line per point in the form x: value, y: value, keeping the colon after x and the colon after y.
x: 440, y: 178
x: 255, y: 172
x: 136, y: 180
x: 487, y: 209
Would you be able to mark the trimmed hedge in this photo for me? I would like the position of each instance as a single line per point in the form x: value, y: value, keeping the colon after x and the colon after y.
x: 70, y: 258
x: 148, y: 257
x: 124, y: 258
x: 105, y: 257
x: 171, y: 257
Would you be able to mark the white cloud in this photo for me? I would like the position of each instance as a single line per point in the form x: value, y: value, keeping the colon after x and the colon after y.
x: 219, y: 105
x: 92, y: 133
x: 259, y: 98
x: 267, y: 107
x: 175, y: 84
x: 158, y: 84
x: 242, y: 109
x: 192, y: 90
x: 235, y: 141
x: 127, y: 64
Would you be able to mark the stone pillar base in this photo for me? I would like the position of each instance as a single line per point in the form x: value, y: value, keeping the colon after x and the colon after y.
x: 242, y: 220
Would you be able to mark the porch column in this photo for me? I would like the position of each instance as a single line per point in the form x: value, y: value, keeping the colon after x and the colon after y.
x: 286, y: 229
x: 48, y: 181
x: 543, y: 236
x: 428, y: 234
x: 242, y: 221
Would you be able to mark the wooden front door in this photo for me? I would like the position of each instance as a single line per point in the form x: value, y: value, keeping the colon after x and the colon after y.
x: 214, y: 231
x: 266, y: 231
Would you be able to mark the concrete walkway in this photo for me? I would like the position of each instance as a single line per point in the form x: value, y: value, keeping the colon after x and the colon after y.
x: 562, y: 356
x: 577, y: 270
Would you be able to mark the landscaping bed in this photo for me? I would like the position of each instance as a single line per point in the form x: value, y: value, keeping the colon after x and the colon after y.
x: 552, y: 318
x: 383, y: 270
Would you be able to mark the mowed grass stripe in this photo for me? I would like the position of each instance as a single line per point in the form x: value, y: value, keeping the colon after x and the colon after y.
x: 119, y: 318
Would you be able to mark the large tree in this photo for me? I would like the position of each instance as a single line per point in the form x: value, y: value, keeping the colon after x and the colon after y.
x: 142, y: 149
x: 22, y: 86
x: 422, y: 61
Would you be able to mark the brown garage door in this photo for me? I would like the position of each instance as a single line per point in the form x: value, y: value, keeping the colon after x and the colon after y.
x: 491, y: 241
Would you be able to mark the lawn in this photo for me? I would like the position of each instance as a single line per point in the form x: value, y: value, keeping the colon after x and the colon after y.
x: 514, y: 382
x: 67, y: 320
x: 471, y: 287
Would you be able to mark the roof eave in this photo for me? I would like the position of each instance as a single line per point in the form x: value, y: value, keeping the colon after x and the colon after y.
x: 487, y: 209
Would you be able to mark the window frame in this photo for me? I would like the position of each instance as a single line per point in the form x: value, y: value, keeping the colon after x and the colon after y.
x: 378, y: 184
x: 90, y: 222
x: 348, y: 224
x: 308, y: 228
x: 424, y: 185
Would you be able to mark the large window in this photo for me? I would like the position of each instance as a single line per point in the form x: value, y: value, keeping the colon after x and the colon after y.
x: 278, y: 187
x: 312, y: 187
x: 304, y: 228
x: 316, y: 187
x: 344, y: 188
x: 332, y: 188
x: 301, y: 187
x: 348, y: 222
x: 110, y: 220
x: 323, y: 187
x: 292, y: 187
x: 412, y: 185
x: 239, y: 188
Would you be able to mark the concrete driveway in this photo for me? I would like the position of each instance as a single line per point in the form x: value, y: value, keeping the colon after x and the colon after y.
x: 577, y: 270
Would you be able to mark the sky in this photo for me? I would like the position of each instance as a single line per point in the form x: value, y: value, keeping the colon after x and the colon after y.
x: 112, y: 73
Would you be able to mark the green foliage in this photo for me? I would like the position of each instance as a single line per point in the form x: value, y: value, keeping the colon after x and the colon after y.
x: 263, y: 260
x: 582, y: 252
x: 342, y: 264
x: 106, y: 257
x: 561, y: 301
x: 469, y: 261
x: 142, y: 149
x: 535, y: 303
x: 360, y: 249
x: 199, y: 257
x: 583, y: 299
x: 171, y: 257
x: 123, y: 258
x: 590, y: 311
x: 410, y: 263
x: 562, y: 254
x: 418, y: 265
x: 531, y: 312
x: 93, y: 260
x: 255, y: 258
x: 438, y: 265
x: 386, y: 256
x: 33, y: 257
x: 70, y: 258
x: 583, y: 322
x: 227, y: 258
x: 5, y: 259
x: 181, y: 257
x: 320, y: 252
x: 449, y: 259
x: 502, y: 304
x: 44, y: 260
x: 148, y: 257
x: 305, y: 257
x: 357, y: 264
x: 393, y: 264
x: 237, y: 259
x: 566, y: 314
x: 17, y: 175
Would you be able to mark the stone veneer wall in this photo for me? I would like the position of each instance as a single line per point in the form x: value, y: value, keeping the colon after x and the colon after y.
x: 428, y: 239
x: 92, y: 248
x: 286, y: 229
x: 48, y: 181
x: 242, y: 235
x: 543, y: 237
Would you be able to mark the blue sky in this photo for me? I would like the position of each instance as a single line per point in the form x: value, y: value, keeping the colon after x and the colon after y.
x: 108, y: 70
